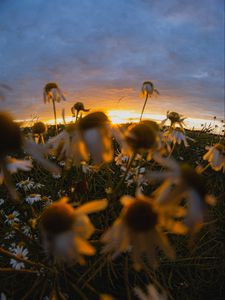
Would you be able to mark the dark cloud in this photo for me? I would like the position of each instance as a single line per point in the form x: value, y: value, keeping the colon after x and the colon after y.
x: 103, y: 50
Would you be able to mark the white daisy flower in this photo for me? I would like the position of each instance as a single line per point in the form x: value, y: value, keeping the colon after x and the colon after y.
x: 3, y: 296
x: 177, y: 136
x: 13, y: 142
x: 152, y: 293
x: 32, y: 198
x: 181, y: 181
x: 175, y: 119
x: 12, y: 218
x: 52, y: 92
x: 19, y: 252
x: 216, y: 157
x: 76, y: 108
x: 139, y: 138
x: 140, y: 228
x: 66, y: 230
x: 148, y: 88
x: 26, y: 230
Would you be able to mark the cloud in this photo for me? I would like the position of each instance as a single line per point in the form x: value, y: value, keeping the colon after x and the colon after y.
x: 103, y: 50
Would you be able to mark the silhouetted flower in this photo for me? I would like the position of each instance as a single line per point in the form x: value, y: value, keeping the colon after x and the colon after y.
x: 216, y: 156
x: 175, y: 118
x: 76, y: 108
x: 66, y: 229
x: 139, y: 228
x: 52, y: 93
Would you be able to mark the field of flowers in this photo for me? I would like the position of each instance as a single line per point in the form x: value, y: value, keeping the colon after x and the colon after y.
x: 91, y: 210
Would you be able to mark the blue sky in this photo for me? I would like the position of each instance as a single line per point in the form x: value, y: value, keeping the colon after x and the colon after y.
x: 99, y: 51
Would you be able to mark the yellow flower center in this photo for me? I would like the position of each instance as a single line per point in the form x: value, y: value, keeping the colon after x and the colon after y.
x: 10, y: 216
x: 141, y: 136
x: 174, y: 117
x: 93, y: 120
x: 140, y: 216
x: 58, y: 218
x: 39, y: 128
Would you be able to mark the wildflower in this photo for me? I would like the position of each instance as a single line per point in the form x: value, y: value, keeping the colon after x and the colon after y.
x: 96, y: 136
x: 148, y: 89
x: 152, y: 293
x: 77, y: 107
x: 139, y: 227
x: 26, y: 230
x: 2, y: 201
x: 32, y: 198
x: 175, y: 118
x: 21, y: 253
x: 67, y: 146
x: 13, y: 165
x: 216, y: 157
x: 121, y: 159
x: 12, y: 218
x: 182, y: 181
x: 177, y: 136
x: 29, y: 184
x: 2, y: 295
x: 39, y: 128
x: 66, y: 229
x: 14, y: 142
x: 53, y: 93
x: 140, y: 138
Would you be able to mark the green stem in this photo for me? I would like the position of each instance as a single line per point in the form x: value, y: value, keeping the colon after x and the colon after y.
x: 125, y: 174
x: 54, y: 110
x: 172, y: 150
x: 205, y: 168
x: 143, y: 108
x: 26, y: 261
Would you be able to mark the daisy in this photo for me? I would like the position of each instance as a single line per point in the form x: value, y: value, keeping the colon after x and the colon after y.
x: 14, y: 142
x: 152, y: 293
x: 140, y: 227
x: 96, y: 135
x: 52, y: 93
x: 19, y: 252
x: 177, y: 136
x: 183, y: 182
x: 76, y: 108
x: 66, y: 230
x: 140, y: 138
x: 13, y: 165
x: 39, y: 129
x: 216, y: 157
x: 175, y: 118
x: 32, y: 198
x: 67, y: 146
x: 148, y: 89
x: 12, y: 218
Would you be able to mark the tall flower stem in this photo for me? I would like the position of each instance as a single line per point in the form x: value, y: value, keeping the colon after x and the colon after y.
x: 143, y: 108
x: 54, y: 110
x: 125, y: 174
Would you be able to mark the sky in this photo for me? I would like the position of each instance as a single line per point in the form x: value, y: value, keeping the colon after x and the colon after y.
x: 100, y: 52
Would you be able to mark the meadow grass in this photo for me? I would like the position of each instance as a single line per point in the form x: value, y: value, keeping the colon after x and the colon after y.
x: 196, y: 273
